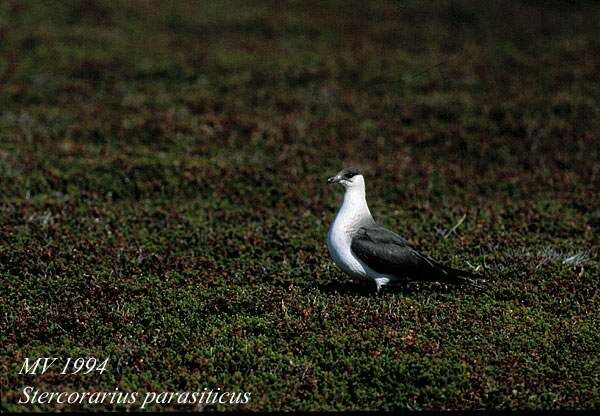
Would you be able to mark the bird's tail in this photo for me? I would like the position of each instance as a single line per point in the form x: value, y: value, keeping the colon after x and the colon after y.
x: 458, y: 276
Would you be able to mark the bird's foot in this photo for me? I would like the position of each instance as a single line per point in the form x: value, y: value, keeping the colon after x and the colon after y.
x: 380, y: 283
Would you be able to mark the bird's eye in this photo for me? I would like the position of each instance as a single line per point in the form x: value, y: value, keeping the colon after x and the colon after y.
x: 348, y: 175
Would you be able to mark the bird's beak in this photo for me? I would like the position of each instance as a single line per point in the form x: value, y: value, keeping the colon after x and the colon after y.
x: 333, y: 179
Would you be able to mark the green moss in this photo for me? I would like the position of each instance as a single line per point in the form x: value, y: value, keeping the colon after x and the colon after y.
x: 163, y: 199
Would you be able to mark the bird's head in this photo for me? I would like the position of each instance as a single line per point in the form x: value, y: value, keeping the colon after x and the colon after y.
x: 349, y: 178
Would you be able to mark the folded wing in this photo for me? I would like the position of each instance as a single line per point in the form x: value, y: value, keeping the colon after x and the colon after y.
x: 388, y: 253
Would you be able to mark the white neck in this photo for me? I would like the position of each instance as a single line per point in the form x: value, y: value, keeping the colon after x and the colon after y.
x: 354, y: 208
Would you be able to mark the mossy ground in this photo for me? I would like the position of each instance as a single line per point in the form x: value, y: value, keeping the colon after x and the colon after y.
x: 163, y: 198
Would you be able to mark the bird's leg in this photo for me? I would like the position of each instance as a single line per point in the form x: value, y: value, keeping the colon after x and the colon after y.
x: 380, y: 282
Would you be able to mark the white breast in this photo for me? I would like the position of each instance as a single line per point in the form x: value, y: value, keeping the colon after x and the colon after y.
x: 339, y: 241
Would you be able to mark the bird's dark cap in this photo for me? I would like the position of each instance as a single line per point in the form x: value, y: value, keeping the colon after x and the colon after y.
x: 352, y: 171
x: 345, y: 174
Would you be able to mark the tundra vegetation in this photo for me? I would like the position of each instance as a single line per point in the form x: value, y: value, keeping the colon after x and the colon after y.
x: 163, y: 199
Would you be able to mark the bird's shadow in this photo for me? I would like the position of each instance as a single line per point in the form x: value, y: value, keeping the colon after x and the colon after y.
x: 365, y: 288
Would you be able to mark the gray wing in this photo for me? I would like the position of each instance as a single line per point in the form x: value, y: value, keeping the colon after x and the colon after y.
x: 388, y: 253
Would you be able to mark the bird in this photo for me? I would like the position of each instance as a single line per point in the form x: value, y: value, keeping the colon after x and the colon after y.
x: 363, y: 249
